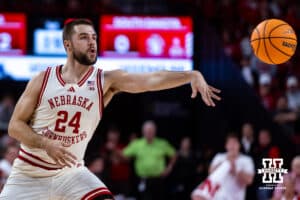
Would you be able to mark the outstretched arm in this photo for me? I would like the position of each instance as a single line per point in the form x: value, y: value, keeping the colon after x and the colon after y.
x: 121, y: 81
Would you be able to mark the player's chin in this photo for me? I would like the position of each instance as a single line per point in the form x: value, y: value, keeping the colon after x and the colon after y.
x: 93, y: 60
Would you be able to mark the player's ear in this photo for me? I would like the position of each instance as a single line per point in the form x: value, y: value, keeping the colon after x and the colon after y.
x: 67, y: 45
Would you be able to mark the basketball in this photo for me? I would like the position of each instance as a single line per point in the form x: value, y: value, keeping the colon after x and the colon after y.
x: 273, y: 41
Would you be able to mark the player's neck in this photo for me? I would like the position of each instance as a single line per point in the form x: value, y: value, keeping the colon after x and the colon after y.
x: 73, y: 70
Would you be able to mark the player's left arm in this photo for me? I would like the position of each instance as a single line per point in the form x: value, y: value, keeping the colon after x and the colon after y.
x: 121, y: 81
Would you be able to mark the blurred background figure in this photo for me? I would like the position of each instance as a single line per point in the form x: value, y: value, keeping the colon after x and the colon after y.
x: 265, y: 92
x: 293, y: 93
x: 264, y: 149
x: 150, y: 153
x: 183, y: 177
x: 10, y: 153
x: 246, y: 71
x: 230, y: 174
x: 285, y: 117
x: 247, y: 140
x: 290, y: 188
x: 7, y: 105
x: 118, y: 168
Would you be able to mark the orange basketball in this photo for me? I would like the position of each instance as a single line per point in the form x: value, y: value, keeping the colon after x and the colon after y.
x: 273, y: 41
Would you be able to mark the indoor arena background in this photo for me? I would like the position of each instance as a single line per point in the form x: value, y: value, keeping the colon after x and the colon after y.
x: 252, y: 92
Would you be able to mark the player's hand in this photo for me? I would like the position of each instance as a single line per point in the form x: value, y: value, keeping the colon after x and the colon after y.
x: 58, y: 153
x: 208, y: 93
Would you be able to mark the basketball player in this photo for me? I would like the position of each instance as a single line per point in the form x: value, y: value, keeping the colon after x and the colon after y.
x: 59, y: 110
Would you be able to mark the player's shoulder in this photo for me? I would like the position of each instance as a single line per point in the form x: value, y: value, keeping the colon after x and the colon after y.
x: 36, y: 82
x: 39, y: 77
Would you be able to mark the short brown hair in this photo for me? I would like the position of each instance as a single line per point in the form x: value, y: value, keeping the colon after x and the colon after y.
x: 69, y: 26
x: 232, y: 135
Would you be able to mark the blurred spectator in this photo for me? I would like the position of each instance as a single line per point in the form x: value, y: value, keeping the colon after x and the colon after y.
x: 10, y: 154
x: 248, y: 11
x: 150, y: 153
x: 275, y: 8
x: 245, y: 43
x: 293, y: 93
x: 205, y: 156
x: 289, y: 192
x: 285, y: 117
x: 265, y: 10
x: 264, y: 149
x: 132, y: 136
x: 230, y: 173
x: 119, y: 170
x: 231, y: 47
x: 247, y: 71
x: 261, y: 68
x: 267, y: 97
x: 292, y: 17
x: 7, y: 105
x: 291, y: 183
x: 6, y: 141
x: 247, y: 140
x: 73, y: 6
x: 184, y: 172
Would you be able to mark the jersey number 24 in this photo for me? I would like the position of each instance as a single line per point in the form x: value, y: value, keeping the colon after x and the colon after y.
x: 64, y: 120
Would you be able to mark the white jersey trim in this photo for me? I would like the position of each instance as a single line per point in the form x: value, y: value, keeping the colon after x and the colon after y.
x: 100, y: 92
x: 44, y: 84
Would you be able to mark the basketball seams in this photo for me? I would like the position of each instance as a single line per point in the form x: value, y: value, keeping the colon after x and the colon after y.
x: 278, y: 49
x: 266, y: 51
x: 273, y: 45
x: 256, y: 50
x: 289, y: 38
x: 273, y: 50
x: 273, y: 29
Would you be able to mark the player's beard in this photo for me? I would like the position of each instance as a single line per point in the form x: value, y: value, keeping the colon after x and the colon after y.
x: 83, y: 58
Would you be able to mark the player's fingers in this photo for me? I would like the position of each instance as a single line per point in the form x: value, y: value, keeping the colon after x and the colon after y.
x: 59, y: 162
x: 69, y: 161
x: 209, y: 98
x: 194, y: 92
x: 214, y: 96
x: 211, y: 102
x: 64, y: 162
x: 56, y: 161
x: 205, y: 99
x: 206, y: 96
x: 214, y: 89
x: 69, y: 154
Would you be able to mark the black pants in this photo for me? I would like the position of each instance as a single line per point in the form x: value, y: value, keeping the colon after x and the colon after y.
x: 153, y: 189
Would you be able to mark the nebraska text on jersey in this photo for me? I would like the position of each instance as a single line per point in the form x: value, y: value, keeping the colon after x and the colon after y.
x: 61, y: 100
